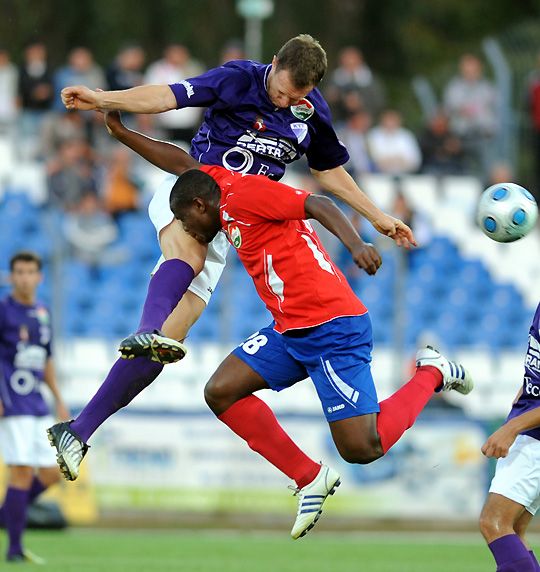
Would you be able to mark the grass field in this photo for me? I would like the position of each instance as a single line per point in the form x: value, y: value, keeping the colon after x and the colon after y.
x: 80, y: 550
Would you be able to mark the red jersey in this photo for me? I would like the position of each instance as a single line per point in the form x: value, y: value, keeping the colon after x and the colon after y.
x: 292, y: 272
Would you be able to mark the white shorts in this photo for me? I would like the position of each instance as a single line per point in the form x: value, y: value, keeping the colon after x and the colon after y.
x: 204, y: 284
x: 23, y: 441
x: 517, y: 476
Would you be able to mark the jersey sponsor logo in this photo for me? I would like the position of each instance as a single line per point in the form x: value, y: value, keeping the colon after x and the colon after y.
x: 532, y: 359
x: 303, y: 110
x: 281, y: 149
x: 235, y: 236
x: 189, y: 88
x: 531, y: 389
x: 30, y: 357
x: 300, y: 130
x: 241, y: 157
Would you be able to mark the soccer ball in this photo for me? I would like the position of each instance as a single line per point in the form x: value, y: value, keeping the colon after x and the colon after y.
x: 506, y: 212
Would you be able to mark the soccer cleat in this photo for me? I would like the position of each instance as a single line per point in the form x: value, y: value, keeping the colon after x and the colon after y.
x: 70, y: 449
x: 153, y: 345
x: 311, y: 499
x: 25, y: 558
x: 455, y: 376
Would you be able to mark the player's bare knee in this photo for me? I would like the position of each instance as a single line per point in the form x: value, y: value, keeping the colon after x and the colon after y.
x: 218, y: 394
x: 488, y: 527
x: 361, y: 453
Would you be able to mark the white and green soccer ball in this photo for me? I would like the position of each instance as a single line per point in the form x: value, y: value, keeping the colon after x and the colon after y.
x: 506, y: 212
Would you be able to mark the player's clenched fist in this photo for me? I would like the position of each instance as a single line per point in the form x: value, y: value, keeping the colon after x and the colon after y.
x: 499, y: 443
x: 80, y: 97
x: 366, y: 257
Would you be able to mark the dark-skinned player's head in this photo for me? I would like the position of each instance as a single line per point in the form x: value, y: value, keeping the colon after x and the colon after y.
x: 194, y: 201
x: 297, y: 68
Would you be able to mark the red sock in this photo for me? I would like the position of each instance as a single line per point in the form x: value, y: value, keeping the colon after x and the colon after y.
x: 251, y: 419
x: 401, y: 409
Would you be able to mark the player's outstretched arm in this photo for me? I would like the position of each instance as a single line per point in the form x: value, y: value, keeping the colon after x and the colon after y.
x: 140, y: 99
x: 331, y: 217
x: 338, y: 182
x: 498, y: 444
x: 164, y: 155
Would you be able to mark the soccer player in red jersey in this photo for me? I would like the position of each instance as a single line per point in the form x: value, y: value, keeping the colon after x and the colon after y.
x: 320, y: 330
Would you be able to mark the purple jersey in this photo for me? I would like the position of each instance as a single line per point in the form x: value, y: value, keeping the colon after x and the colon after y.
x: 244, y: 131
x: 530, y: 397
x: 25, y: 346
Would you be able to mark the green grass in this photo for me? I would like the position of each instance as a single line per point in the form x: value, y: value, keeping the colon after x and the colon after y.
x: 80, y: 550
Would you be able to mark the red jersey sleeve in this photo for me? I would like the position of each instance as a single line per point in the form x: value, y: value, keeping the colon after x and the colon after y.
x: 256, y: 199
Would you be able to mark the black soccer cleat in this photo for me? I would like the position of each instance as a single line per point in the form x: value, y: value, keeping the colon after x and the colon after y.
x: 70, y: 449
x: 153, y: 345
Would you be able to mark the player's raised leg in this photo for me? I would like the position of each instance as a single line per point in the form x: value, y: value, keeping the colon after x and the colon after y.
x: 229, y: 395
x: 126, y: 379
x: 364, y: 438
x: 184, y: 259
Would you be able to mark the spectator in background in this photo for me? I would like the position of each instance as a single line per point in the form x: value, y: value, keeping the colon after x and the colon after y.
x: 500, y: 173
x: 354, y: 137
x: 232, y: 50
x: 533, y: 105
x: 71, y: 176
x: 120, y: 186
x: 175, y: 66
x: 420, y: 224
x: 442, y: 150
x: 471, y: 102
x: 36, y: 94
x: 126, y: 69
x: 90, y: 231
x: 80, y: 70
x: 8, y: 91
x: 59, y: 128
x: 353, y: 76
x: 393, y: 148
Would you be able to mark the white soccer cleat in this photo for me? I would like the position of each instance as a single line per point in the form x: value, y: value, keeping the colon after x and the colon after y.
x: 70, y: 449
x: 311, y: 499
x: 455, y: 376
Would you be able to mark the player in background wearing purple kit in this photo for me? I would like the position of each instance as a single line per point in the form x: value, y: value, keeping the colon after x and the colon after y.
x: 514, y: 495
x: 25, y: 362
x: 260, y: 118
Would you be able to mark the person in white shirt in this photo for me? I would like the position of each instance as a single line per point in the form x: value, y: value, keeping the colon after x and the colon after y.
x: 393, y: 148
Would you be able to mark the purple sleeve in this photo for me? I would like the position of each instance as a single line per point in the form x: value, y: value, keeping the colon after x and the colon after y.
x: 325, y: 151
x: 221, y: 88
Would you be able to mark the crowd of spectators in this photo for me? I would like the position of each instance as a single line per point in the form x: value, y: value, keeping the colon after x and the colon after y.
x: 90, y: 178
x: 458, y: 138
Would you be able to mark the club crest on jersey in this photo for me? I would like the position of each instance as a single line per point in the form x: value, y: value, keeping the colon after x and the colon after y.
x: 258, y: 124
x: 24, y: 334
x: 300, y: 130
x: 303, y: 110
x: 235, y: 236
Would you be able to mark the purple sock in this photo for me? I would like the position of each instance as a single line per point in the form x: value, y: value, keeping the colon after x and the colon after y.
x: 36, y: 489
x: 535, y: 561
x: 15, y: 505
x: 166, y: 288
x: 125, y: 381
x: 511, y: 555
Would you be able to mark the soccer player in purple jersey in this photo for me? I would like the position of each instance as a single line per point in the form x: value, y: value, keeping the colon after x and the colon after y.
x: 25, y: 362
x: 514, y: 495
x: 259, y: 119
